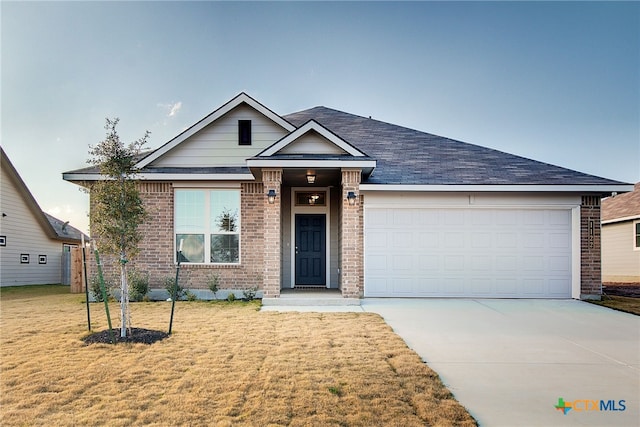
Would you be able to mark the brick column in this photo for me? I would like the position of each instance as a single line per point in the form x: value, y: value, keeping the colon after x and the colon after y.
x: 272, y: 180
x: 351, y: 237
x: 590, y: 267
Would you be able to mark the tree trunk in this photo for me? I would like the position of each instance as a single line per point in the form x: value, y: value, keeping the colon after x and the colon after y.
x: 124, y: 299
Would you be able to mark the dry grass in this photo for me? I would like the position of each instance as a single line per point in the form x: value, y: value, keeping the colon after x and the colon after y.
x: 225, y: 364
x: 626, y: 304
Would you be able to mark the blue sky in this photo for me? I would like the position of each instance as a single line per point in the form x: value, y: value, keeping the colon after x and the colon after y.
x: 555, y: 82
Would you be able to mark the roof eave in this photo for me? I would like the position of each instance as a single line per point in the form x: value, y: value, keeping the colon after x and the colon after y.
x: 601, y: 189
x: 150, y: 176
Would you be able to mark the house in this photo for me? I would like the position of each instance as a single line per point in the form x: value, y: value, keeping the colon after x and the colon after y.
x: 32, y: 242
x: 323, y: 198
x: 621, y: 238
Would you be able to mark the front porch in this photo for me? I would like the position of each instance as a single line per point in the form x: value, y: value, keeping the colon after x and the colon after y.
x: 311, y: 298
x: 313, y: 236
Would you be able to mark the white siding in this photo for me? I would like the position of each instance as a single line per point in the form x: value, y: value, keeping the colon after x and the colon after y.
x: 620, y: 262
x: 217, y: 144
x: 25, y: 236
x: 312, y: 143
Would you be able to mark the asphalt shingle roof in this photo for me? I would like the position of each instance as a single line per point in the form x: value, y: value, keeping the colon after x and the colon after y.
x: 408, y: 156
x: 64, y: 230
x: 625, y: 205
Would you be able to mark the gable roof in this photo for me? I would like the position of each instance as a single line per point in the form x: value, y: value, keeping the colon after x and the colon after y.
x: 242, y: 98
x: 308, y: 127
x: 64, y: 231
x: 623, y: 207
x: 411, y: 157
x: 45, y: 220
x: 404, y: 159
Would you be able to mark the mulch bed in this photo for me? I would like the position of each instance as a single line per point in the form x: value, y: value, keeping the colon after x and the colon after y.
x: 621, y: 290
x: 138, y: 335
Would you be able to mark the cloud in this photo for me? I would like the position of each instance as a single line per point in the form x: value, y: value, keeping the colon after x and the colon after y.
x: 172, y: 109
x: 175, y: 108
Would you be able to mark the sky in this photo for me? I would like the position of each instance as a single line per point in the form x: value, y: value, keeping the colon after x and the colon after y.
x: 557, y: 82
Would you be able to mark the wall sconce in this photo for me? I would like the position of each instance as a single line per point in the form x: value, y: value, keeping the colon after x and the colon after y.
x: 271, y: 196
x: 351, y: 198
x: 311, y: 179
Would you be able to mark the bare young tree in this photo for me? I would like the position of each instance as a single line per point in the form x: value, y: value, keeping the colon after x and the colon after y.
x: 117, y: 209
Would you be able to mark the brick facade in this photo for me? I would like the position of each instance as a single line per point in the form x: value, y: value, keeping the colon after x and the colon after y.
x: 156, y: 255
x: 272, y: 180
x: 590, y: 257
x: 350, y: 236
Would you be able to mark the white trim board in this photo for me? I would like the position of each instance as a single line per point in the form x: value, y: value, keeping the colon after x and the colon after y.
x: 166, y: 177
x: 501, y: 188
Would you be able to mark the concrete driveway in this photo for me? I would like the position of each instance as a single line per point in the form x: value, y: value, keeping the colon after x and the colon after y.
x: 509, y: 361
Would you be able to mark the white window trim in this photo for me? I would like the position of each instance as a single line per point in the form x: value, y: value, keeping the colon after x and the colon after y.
x: 633, y: 230
x: 207, y: 232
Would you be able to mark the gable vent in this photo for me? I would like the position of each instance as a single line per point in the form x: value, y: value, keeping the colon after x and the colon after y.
x: 244, y: 132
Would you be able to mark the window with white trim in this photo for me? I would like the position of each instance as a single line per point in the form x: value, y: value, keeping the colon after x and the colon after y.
x: 208, y: 224
x: 636, y: 235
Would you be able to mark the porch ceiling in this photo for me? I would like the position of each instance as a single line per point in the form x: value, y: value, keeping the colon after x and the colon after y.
x: 297, y: 177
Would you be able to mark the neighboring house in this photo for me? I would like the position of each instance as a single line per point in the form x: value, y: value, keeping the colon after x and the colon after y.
x: 330, y: 199
x: 621, y: 238
x: 31, y: 242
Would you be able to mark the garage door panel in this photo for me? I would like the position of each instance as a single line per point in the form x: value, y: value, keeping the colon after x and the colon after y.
x: 533, y: 287
x: 506, y: 240
x: 481, y: 240
x: 403, y: 286
x: 506, y: 263
x: 401, y: 264
x: 429, y: 263
x: 453, y: 240
x: 506, y: 287
x: 427, y: 240
x: 453, y: 286
x: 481, y: 263
x: 468, y: 252
x: 455, y: 217
x: 533, y: 240
x: 377, y: 240
x: 559, y: 264
x: 559, y: 240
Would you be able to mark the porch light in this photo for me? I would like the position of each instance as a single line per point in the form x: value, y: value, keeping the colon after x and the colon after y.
x: 271, y: 196
x: 311, y: 179
x: 351, y: 198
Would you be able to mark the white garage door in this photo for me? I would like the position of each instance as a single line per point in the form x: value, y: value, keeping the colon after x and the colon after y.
x: 490, y: 253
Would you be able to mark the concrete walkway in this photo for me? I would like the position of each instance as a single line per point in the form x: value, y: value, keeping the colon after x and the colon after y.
x: 509, y: 361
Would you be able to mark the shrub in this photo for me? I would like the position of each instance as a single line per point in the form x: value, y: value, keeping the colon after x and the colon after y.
x: 138, y: 285
x: 94, y: 288
x: 231, y: 297
x: 213, y: 282
x: 190, y: 295
x: 168, y: 285
x: 250, y: 294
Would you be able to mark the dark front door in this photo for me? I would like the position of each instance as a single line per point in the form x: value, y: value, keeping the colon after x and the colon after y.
x: 311, y: 254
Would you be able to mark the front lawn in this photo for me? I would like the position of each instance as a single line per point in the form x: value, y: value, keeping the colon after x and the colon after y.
x: 626, y: 304
x: 225, y: 364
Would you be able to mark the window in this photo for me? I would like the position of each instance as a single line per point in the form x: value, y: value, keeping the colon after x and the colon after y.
x: 636, y: 229
x: 305, y: 198
x: 244, y: 132
x: 208, y: 224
